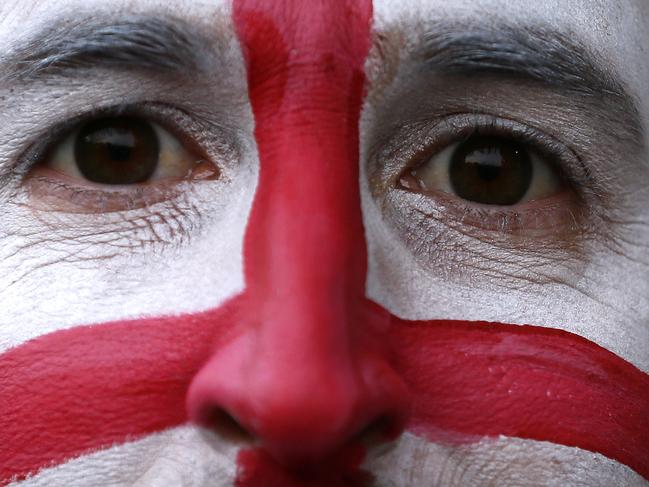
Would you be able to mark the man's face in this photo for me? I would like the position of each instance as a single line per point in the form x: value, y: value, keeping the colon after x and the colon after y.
x: 324, y: 243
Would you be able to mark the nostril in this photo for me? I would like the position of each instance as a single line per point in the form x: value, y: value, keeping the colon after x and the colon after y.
x: 304, y: 405
x: 383, y: 429
x: 225, y: 425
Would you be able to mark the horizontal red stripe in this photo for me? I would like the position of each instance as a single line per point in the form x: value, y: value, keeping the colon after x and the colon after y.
x: 79, y: 390
x: 476, y: 379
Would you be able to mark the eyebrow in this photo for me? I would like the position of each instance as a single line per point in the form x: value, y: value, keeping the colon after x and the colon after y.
x: 143, y: 43
x: 539, y: 55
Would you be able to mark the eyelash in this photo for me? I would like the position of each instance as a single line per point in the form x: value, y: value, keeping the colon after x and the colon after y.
x: 455, y: 128
x: 459, y: 127
x: 81, y: 199
x: 44, y: 141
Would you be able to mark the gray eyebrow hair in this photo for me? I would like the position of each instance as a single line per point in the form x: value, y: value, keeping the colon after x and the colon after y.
x: 530, y: 53
x: 144, y: 43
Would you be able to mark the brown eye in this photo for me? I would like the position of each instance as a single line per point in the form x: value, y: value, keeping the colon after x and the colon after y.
x: 488, y: 170
x: 491, y: 171
x: 123, y: 150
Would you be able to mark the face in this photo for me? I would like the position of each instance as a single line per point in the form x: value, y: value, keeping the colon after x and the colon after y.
x: 353, y: 243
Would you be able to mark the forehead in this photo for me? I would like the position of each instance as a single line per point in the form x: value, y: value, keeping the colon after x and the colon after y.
x: 608, y: 26
x: 615, y: 30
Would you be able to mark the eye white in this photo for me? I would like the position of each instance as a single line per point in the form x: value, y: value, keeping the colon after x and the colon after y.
x: 434, y: 175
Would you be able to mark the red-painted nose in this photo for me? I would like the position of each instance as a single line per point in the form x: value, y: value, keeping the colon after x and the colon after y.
x: 302, y: 382
x: 311, y: 369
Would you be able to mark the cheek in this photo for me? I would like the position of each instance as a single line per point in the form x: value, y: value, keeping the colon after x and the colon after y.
x: 69, y: 389
x: 93, y: 386
x: 423, y: 268
x: 502, y: 461
x: 532, y: 378
x: 152, y: 460
x: 152, y: 263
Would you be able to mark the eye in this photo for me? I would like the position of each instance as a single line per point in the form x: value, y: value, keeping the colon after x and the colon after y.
x: 123, y: 150
x: 118, y: 163
x: 489, y: 170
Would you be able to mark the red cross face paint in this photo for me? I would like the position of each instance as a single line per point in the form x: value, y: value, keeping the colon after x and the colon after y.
x: 489, y: 380
x: 301, y: 358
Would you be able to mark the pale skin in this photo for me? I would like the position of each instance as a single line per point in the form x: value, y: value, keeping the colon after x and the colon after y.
x: 61, y: 268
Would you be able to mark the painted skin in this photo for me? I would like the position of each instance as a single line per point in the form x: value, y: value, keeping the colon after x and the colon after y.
x: 201, y: 277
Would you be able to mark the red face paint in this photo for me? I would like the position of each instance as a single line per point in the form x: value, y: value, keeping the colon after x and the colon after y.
x: 471, y: 380
x: 256, y: 467
x: 79, y: 390
x: 302, y: 359
x: 311, y: 371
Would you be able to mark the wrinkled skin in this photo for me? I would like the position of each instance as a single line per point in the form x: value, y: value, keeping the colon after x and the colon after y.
x: 61, y: 267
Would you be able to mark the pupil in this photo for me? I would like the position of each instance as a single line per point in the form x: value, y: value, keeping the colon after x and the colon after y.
x: 119, y: 152
x: 491, y: 170
x: 488, y: 173
x: 122, y: 150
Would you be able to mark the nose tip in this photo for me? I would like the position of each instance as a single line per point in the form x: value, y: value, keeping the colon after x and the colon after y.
x: 301, y: 409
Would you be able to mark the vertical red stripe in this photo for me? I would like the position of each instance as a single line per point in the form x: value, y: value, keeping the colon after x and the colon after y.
x: 305, y: 253
x: 305, y: 73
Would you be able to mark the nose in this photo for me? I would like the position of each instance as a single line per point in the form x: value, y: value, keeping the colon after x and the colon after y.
x: 302, y: 382
x: 311, y: 369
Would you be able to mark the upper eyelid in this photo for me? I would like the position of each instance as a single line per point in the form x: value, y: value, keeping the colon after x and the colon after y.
x: 445, y: 130
x: 515, y: 53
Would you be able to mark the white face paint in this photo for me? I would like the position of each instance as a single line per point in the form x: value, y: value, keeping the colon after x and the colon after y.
x: 602, y: 293
x: 182, y: 255
x: 186, y: 457
x: 59, y: 270
x: 506, y: 462
x: 425, y: 268
x: 183, y: 456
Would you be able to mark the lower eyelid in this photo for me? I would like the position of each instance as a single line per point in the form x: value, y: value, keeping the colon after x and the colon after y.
x: 557, y: 217
x: 77, y: 238
x: 53, y: 192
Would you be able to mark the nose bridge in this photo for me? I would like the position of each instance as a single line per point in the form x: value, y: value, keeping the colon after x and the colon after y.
x: 306, y: 81
x: 305, y: 256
